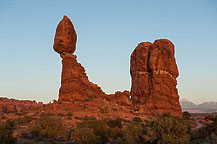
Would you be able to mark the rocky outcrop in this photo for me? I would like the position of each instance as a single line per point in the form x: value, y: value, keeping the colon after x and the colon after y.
x: 12, y: 105
x: 122, y: 98
x: 154, y: 71
x: 74, y: 81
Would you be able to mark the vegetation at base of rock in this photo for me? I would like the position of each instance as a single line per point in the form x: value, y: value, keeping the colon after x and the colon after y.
x: 69, y: 114
x: 61, y: 114
x: 166, y: 129
x: 24, y: 120
x: 96, y: 130
x: 115, y: 123
x: 48, y: 126
x: 6, y: 131
x: 137, y: 120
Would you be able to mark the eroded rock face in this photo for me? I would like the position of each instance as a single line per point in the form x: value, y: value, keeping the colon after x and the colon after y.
x: 122, y: 98
x: 12, y: 105
x: 154, y: 71
x: 74, y: 81
x: 65, y: 38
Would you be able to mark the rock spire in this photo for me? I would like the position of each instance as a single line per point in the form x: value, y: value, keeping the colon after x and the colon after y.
x: 74, y: 81
x: 154, y: 71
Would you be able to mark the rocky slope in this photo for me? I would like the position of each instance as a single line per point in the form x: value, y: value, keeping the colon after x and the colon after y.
x: 13, y: 106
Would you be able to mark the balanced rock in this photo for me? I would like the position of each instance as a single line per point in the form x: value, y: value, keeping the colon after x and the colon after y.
x: 154, y: 71
x: 65, y: 38
x: 74, y: 81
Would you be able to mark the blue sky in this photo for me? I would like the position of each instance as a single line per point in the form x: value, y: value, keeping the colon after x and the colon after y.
x: 108, y: 31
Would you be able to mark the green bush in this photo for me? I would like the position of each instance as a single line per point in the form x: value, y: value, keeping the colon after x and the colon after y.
x: 186, y: 115
x: 102, y: 111
x: 85, y: 136
x: 166, y: 129
x: 95, y: 127
x: 69, y: 114
x: 6, y: 131
x: 137, y: 120
x: 115, y: 123
x: 61, y: 114
x: 115, y: 133
x: 49, y: 126
x: 3, y: 117
x: 24, y: 120
x: 133, y: 134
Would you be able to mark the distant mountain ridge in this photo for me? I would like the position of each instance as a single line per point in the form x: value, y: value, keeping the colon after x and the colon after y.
x: 205, y: 107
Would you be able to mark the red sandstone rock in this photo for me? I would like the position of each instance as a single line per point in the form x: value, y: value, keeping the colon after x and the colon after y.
x: 12, y: 105
x: 122, y: 98
x: 65, y: 38
x: 154, y: 71
x: 74, y: 81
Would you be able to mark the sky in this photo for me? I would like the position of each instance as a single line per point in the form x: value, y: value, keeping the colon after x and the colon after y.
x: 108, y: 32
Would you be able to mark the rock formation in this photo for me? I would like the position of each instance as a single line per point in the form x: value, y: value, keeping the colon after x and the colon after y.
x: 12, y: 105
x: 65, y: 38
x: 122, y: 98
x: 154, y: 71
x: 74, y: 81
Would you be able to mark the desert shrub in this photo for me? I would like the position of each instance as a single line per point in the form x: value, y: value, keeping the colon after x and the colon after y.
x: 85, y: 136
x: 108, y: 99
x: 47, y: 114
x: 88, y: 118
x: 186, y: 115
x: 96, y: 128
x: 115, y: 133
x: 102, y: 111
x: 132, y: 134
x: 115, y: 123
x: 137, y: 120
x: 166, y: 129
x: 3, y: 117
x: 61, y: 114
x: 209, y: 131
x: 6, y: 131
x: 211, y: 117
x: 201, y: 133
x: 24, y: 120
x: 49, y: 126
x: 69, y: 114
x: 21, y: 113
